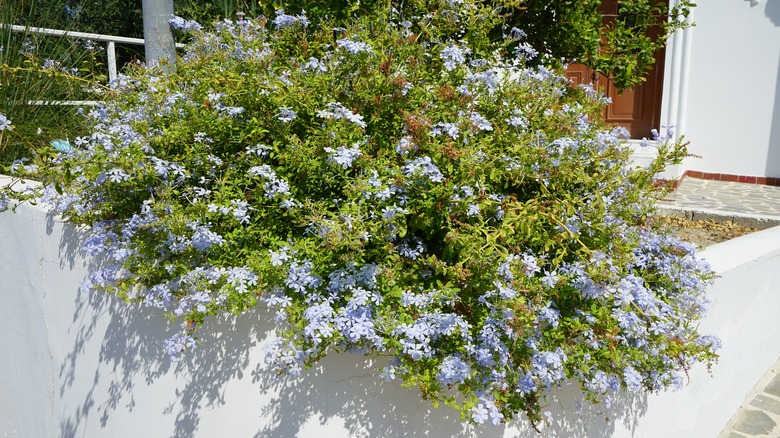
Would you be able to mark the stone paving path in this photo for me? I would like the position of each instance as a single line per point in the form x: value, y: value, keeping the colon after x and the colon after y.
x: 759, y: 415
x: 750, y: 205
x: 754, y: 206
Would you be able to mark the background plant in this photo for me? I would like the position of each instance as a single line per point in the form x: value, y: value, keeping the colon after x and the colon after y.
x: 37, y: 69
x: 396, y: 188
x: 622, y: 47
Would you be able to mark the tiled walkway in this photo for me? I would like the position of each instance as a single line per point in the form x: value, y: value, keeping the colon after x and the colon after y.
x: 759, y: 415
x: 746, y: 204
x: 755, y: 206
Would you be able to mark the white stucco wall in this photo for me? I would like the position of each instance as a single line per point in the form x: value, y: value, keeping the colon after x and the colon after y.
x: 75, y: 365
x: 731, y: 106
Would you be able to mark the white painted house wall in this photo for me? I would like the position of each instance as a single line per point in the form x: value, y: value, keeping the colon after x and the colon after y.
x: 76, y: 365
x: 722, y: 87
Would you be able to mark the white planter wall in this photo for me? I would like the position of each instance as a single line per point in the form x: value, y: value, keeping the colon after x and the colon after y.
x: 75, y: 365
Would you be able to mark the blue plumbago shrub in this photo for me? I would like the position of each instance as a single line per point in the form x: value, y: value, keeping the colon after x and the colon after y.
x: 390, y: 191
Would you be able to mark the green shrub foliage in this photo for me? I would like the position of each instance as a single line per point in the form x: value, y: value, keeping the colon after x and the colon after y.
x: 620, y: 42
x: 388, y: 190
x: 616, y: 38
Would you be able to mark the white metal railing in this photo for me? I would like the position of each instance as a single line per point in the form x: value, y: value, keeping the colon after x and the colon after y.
x: 110, y: 41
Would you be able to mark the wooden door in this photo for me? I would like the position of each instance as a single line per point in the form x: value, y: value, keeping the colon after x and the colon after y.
x: 637, y: 109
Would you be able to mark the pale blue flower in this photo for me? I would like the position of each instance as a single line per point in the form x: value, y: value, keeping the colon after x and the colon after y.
x: 517, y: 120
x: 180, y: 23
x: 479, y: 413
x: 411, y: 248
x: 405, y: 145
x: 241, y: 211
x: 335, y: 110
x: 421, y: 301
x: 50, y: 64
x: 284, y: 356
x: 354, y: 47
x: 525, y: 51
x: 300, y: 277
x: 314, y: 65
x: 343, y: 156
x: 632, y: 378
x: 449, y: 129
x: 517, y: 33
x: 5, y: 124
x: 453, y: 371
x: 710, y: 341
x: 283, y: 20
x: 526, y: 384
x: 423, y: 167
x: 159, y: 295
x: 286, y: 115
x: 550, y: 279
x: 117, y: 175
x: 549, y: 314
x: 203, y: 238
x: 453, y: 56
x: 488, y: 79
x: 388, y: 373
x: 232, y: 111
x: 177, y: 344
x: 278, y: 258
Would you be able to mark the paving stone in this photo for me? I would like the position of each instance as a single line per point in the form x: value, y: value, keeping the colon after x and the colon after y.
x: 766, y: 403
x: 773, y: 387
x: 733, y: 435
x: 727, y: 197
x: 754, y: 423
x: 749, y: 205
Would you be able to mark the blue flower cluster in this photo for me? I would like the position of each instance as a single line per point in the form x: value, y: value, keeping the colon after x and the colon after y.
x: 335, y: 110
x: 453, y: 56
x: 423, y: 167
x: 354, y: 47
x: 283, y: 20
x: 343, y: 156
x: 187, y: 25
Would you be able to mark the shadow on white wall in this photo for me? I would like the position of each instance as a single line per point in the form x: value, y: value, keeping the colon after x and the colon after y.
x: 113, y: 375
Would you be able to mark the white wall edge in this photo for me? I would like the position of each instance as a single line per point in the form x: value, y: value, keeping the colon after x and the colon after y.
x: 726, y: 256
x: 91, y: 365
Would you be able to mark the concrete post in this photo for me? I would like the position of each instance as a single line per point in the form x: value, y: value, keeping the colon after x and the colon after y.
x: 159, y: 45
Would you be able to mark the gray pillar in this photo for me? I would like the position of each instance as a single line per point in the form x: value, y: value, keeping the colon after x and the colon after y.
x: 159, y: 44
